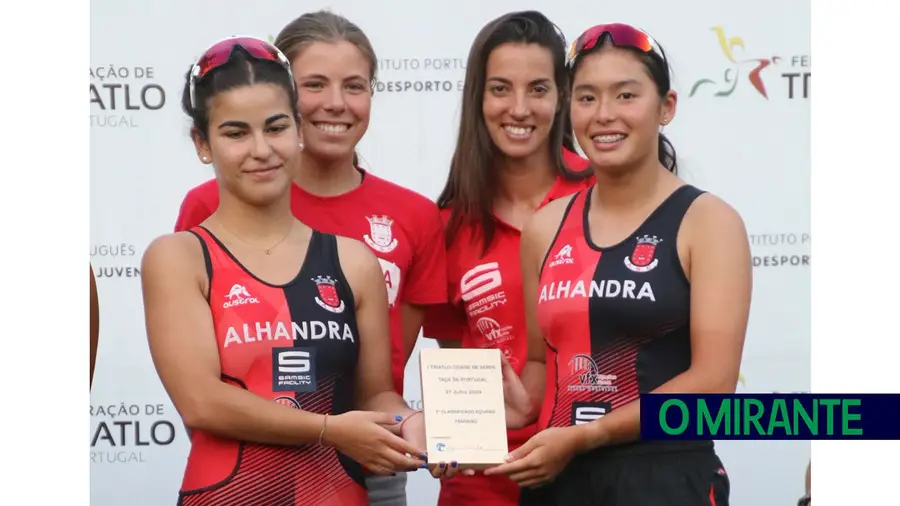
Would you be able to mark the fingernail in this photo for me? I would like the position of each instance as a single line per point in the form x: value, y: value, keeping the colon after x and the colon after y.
x: 442, y: 465
x: 423, y: 456
x: 453, y: 464
x: 398, y: 418
x: 423, y: 466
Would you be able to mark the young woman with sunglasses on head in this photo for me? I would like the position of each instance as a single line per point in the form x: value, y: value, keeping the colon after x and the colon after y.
x: 335, y: 67
x: 268, y: 334
x: 509, y: 161
x: 638, y: 284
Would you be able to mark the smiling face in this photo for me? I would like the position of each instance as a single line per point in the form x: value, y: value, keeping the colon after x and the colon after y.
x: 617, y: 110
x: 252, y: 135
x: 335, y: 98
x: 520, y: 98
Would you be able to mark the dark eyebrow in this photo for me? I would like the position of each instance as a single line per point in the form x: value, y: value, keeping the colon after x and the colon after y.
x: 354, y: 77
x: 542, y: 80
x: 241, y: 124
x: 616, y: 85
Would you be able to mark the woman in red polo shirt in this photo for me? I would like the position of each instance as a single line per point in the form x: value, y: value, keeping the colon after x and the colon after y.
x: 334, y: 67
x: 511, y: 158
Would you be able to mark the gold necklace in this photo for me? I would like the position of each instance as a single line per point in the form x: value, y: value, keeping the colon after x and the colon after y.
x: 267, y: 251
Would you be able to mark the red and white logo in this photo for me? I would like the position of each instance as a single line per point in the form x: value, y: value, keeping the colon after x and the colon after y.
x: 238, y: 296
x: 381, y: 236
x: 286, y: 401
x: 492, y: 331
x: 641, y: 259
x: 328, y: 297
x: 480, y: 290
x: 480, y: 280
x: 563, y: 256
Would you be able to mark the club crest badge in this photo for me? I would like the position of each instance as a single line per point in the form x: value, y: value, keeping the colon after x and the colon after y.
x: 381, y: 236
x: 642, y: 259
x: 328, y: 298
x: 286, y: 401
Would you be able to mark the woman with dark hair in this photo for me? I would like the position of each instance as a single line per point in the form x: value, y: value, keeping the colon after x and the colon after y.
x: 639, y: 284
x: 510, y: 160
x: 269, y: 336
x: 335, y: 69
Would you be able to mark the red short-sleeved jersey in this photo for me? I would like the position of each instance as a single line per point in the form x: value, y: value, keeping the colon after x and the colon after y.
x: 486, y: 310
x: 402, y: 228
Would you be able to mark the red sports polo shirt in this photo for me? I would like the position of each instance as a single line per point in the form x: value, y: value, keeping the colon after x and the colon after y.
x: 486, y: 310
x: 402, y: 228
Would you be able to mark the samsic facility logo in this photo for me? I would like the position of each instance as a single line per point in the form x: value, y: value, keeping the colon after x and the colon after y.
x: 122, y: 95
x: 767, y: 76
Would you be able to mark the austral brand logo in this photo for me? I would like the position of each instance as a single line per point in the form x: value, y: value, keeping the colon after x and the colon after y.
x: 760, y: 71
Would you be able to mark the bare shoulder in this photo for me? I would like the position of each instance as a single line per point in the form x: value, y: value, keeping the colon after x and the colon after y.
x: 711, y: 218
x: 539, y: 230
x: 356, y: 260
x: 179, y: 253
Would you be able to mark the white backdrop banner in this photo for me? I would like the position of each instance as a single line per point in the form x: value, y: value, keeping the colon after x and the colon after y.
x: 742, y: 71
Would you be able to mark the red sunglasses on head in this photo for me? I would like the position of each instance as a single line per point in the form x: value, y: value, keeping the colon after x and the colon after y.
x: 620, y: 34
x: 219, y: 53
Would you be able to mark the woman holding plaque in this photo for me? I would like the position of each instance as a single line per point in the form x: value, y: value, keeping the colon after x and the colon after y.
x: 269, y: 336
x: 638, y: 284
x: 511, y: 158
x: 335, y: 67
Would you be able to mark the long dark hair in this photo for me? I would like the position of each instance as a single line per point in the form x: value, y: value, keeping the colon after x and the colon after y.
x: 472, y: 182
x: 657, y: 66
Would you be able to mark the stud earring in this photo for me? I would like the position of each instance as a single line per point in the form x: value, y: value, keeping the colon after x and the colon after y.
x: 301, y: 145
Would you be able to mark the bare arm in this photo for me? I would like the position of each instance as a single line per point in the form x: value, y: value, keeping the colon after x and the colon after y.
x: 183, y: 347
x: 721, y: 283
x: 412, y: 316
x: 95, y: 324
x: 536, y: 237
x: 374, y: 385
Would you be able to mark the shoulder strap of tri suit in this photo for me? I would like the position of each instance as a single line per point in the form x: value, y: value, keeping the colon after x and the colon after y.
x: 571, y: 218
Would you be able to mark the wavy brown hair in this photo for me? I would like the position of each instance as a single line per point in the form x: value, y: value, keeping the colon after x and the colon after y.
x: 472, y: 183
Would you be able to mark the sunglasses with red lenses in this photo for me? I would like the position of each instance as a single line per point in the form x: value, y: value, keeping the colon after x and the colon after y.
x: 219, y: 53
x: 620, y: 34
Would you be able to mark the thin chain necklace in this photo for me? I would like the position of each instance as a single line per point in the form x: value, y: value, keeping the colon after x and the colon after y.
x: 267, y: 251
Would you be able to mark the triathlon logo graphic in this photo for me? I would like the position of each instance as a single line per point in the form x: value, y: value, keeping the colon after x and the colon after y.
x: 733, y: 71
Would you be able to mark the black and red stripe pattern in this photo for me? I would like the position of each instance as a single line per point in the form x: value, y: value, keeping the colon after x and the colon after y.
x: 296, y: 344
x: 615, y: 318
